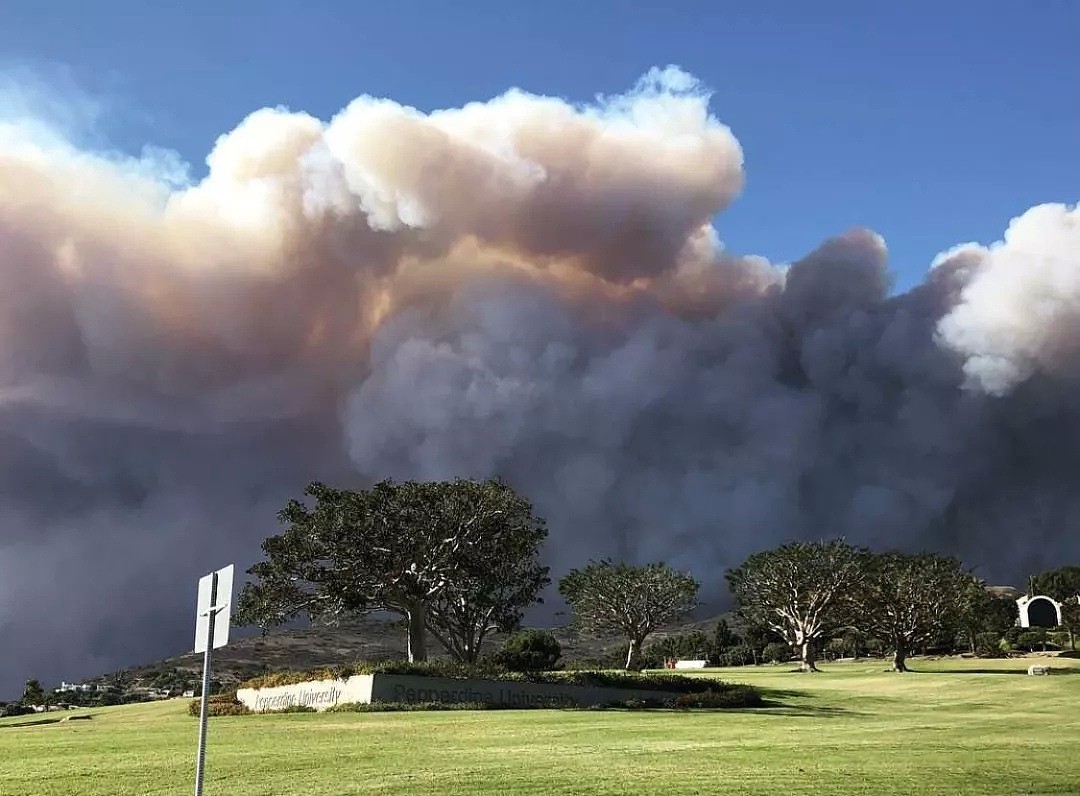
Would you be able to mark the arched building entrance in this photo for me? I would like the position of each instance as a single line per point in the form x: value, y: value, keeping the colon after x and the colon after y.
x: 1039, y: 611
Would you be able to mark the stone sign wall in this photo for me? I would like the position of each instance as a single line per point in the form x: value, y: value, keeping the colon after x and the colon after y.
x: 366, y: 688
x: 318, y: 694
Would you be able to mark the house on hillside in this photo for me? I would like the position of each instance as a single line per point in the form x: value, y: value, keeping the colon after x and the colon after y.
x: 66, y: 688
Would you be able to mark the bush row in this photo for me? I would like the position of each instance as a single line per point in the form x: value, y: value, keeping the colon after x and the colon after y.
x: 733, y: 697
x: 219, y: 705
x: 653, y: 681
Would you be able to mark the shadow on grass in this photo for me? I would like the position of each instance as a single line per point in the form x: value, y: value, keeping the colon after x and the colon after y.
x: 1054, y: 671
x: 775, y: 704
x: 50, y: 720
x: 768, y: 707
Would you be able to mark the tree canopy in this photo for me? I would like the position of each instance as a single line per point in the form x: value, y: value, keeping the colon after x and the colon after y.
x: 33, y: 693
x: 1063, y: 584
x: 983, y: 612
x: 629, y: 600
x: 911, y: 599
x: 804, y: 591
x: 458, y: 557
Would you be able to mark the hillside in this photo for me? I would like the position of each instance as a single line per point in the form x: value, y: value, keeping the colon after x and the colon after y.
x: 373, y: 639
x: 361, y: 639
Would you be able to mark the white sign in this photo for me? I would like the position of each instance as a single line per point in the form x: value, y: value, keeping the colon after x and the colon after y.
x: 215, y: 597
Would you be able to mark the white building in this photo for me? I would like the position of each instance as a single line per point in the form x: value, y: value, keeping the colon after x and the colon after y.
x: 68, y: 687
x: 1039, y: 611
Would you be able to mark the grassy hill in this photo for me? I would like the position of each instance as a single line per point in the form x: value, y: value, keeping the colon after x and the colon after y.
x: 951, y: 727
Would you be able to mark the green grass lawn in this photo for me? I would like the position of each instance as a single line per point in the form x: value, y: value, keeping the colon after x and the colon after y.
x: 951, y: 727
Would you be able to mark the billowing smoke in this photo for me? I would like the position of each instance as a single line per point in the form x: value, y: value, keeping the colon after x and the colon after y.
x: 522, y: 288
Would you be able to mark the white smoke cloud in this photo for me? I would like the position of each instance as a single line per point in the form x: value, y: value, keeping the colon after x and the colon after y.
x: 520, y: 287
x: 1020, y: 312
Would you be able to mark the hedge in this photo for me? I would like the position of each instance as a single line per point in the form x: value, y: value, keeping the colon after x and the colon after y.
x: 219, y: 705
x: 679, y: 684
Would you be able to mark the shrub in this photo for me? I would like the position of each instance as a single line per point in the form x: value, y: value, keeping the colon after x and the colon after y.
x: 835, y: 647
x: 15, y: 709
x: 739, y: 655
x: 776, y: 652
x: 876, y: 648
x: 1033, y: 639
x: 530, y: 651
x: 988, y: 645
x: 219, y: 705
x: 1012, y: 637
x: 735, y: 696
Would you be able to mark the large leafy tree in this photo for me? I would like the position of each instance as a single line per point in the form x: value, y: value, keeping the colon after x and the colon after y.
x: 804, y: 591
x: 629, y: 600
x: 908, y: 600
x: 411, y: 548
x: 496, y: 575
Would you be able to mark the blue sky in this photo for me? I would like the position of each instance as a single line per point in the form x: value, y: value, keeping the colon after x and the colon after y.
x: 933, y: 124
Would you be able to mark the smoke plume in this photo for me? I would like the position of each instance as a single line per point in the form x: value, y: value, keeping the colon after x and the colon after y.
x: 520, y: 287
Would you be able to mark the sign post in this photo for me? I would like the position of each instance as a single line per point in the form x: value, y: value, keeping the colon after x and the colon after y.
x: 211, y: 631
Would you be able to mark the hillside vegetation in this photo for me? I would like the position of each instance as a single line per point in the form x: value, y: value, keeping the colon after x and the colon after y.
x: 361, y: 639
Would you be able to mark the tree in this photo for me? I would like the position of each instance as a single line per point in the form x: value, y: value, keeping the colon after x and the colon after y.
x: 776, y: 652
x: 1063, y: 584
x: 753, y: 636
x: 530, y: 651
x: 633, y: 601
x: 411, y: 548
x: 33, y: 693
x: 496, y: 576
x: 911, y: 599
x: 852, y: 640
x: 1070, y: 620
x: 803, y: 591
x: 722, y: 639
x: 984, y: 612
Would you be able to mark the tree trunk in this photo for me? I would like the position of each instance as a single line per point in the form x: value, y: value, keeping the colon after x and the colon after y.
x: 808, y: 660
x: 899, y: 661
x: 417, y: 633
x: 632, y: 653
x: 470, y: 651
x: 1072, y: 640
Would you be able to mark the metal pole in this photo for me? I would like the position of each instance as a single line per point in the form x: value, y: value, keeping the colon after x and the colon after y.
x: 201, y: 760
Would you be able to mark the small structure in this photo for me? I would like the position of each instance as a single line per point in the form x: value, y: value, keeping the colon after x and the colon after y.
x: 697, y: 664
x: 1038, y: 668
x: 1039, y: 611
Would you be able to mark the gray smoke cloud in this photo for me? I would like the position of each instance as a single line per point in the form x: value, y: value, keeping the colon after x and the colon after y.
x: 520, y: 287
